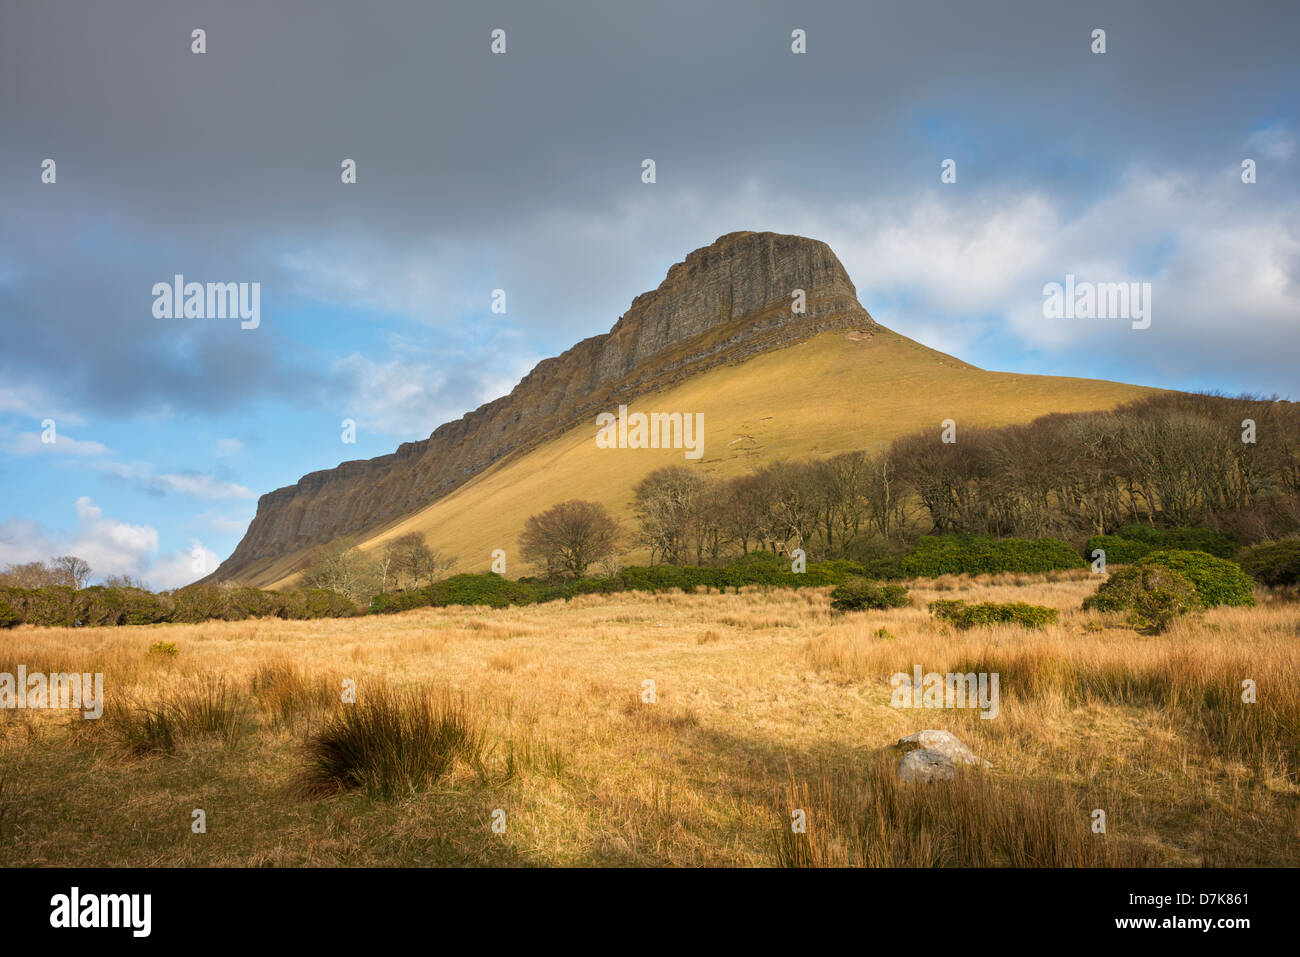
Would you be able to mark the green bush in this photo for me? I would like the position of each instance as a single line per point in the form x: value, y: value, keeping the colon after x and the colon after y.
x: 1119, y: 551
x: 884, y: 568
x: 1152, y: 594
x: 323, y: 603
x: 8, y: 616
x: 1133, y: 543
x: 60, y: 606
x: 487, y: 588
x: 580, y: 586
x: 652, y: 578
x: 98, y: 605
x: 837, y: 571
x: 55, y: 606
x: 387, y: 603
x: 140, y: 607
x: 947, y: 609
x: 859, y: 594
x: 756, y: 568
x: 1217, y: 581
x: 761, y: 559
x: 1181, y: 539
x: 1274, y: 563
x: 195, y: 603
x: 244, y: 602
x: 965, y: 616
x: 935, y: 555
x: 877, y: 555
x: 16, y: 599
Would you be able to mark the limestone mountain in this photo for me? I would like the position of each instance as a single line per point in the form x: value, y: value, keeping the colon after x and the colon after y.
x: 719, y: 336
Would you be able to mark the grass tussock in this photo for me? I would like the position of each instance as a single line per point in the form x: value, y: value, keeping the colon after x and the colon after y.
x: 287, y: 693
x: 544, y: 757
x: 868, y: 817
x: 203, y: 707
x: 389, y: 743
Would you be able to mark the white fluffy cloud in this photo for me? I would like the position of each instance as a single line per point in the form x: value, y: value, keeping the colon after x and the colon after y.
x: 111, y: 547
x: 182, y: 567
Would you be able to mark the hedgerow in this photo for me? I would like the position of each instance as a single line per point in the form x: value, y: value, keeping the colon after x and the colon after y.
x: 1274, y: 563
x: 759, y: 568
x: 935, y: 555
x: 99, y: 605
x: 1133, y: 543
x: 1119, y: 551
x: 8, y: 617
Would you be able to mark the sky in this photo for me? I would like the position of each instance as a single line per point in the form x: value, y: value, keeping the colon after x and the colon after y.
x: 522, y: 171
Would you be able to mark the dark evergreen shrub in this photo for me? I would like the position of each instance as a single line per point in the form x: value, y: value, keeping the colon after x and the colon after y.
x: 963, y: 616
x: 1152, y: 594
x: 1273, y: 563
x: 860, y: 594
x: 1217, y: 581
x: 935, y: 555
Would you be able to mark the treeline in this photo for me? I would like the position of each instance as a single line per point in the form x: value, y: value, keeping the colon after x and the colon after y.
x: 1270, y: 564
x: 66, y: 570
x: 66, y: 607
x: 1170, y: 460
x: 860, y: 585
x: 54, y: 593
x: 488, y: 588
x: 339, y: 581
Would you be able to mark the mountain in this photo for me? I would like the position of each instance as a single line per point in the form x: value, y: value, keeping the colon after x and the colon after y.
x: 719, y: 337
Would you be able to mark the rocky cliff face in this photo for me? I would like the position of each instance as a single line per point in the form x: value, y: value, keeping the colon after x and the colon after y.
x: 725, y: 303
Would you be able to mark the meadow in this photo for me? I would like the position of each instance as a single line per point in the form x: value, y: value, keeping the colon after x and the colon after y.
x: 535, y: 719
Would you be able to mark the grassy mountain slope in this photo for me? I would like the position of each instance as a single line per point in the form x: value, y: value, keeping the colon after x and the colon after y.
x: 829, y: 394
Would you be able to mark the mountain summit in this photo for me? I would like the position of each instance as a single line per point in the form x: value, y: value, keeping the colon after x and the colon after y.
x: 727, y: 302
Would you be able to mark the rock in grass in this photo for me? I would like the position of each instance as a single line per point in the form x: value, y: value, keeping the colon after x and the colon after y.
x: 924, y: 765
x: 934, y: 745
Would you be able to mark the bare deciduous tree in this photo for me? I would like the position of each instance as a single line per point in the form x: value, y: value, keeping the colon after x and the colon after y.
x: 66, y: 570
x: 668, y: 503
x: 341, y: 568
x: 569, y: 537
x: 77, y: 570
x: 414, y: 563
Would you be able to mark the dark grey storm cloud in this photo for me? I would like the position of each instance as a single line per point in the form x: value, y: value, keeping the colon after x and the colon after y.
x: 523, y: 170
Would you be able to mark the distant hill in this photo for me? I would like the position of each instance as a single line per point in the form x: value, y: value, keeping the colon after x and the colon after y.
x: 719, y: 337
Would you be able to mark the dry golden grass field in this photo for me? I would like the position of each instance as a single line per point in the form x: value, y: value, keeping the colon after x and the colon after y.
x: 766, y: 702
